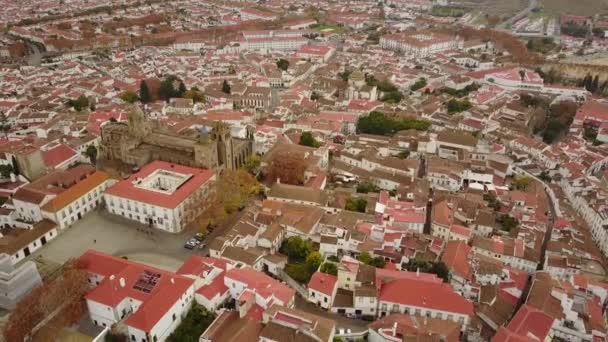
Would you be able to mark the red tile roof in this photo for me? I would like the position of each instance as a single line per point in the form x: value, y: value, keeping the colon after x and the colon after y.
x: 263, y: 285
x: 57, y: 155
x: 322, y: 282
x: 97, y: 119
x: 126, y: 188
x: 455, y: 257
x: 528, y: 323
x: 167, y: 291
x: 425, y: 294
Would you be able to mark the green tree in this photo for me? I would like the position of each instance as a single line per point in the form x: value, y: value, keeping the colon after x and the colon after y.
x: 170, y: 87
x: 144, y: 92
x: 403, y: 154
x: 457, y: 106
x: 333, y: 258
x: 365, y: 258
x: 508, y: 222
x: 6, y: 170
x: 520, y: 182
x: 553, y: 131
x: 252, y: 164
x: 226, y: 87
x: 193, y: 325
x: 344, y: 75
x: 392, y: 97
x: 329, y: 268
x: 441, y: 270
x: 421, y: 83
x: 181, y: 89
x: 283, y: 64
x: 296, y: 249
x: 91, y: 153
x: 80, y: 103
x: 129, y: 96
x: 366, y: 187
x: 307, y: 139
x: 377, y: 262
x: 5, y: 126
x: 196, y: 95
x: 377, y: 123
x: 493, y: 202
x: 313, y: 261
x: 356, y: 204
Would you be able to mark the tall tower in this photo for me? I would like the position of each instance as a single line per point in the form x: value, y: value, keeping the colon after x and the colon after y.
x: 220, y: 135
x: 139, y: 126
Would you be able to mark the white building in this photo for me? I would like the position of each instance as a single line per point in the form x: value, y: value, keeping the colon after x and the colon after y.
x: 75, y: 202
x: 420, y: 44
x: 322, y: 289
x: 150, y: 302
x: 163, y: 195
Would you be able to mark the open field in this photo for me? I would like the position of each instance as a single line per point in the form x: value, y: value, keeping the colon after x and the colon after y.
x: 576, y: 7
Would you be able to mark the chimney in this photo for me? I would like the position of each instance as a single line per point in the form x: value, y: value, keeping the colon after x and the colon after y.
x: 172, y: 281
x: 122, y: 282
x: 112, y: 277
x: 418, y: 272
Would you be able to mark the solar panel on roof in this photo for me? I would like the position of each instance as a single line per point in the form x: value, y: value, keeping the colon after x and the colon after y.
x: 147, y: 281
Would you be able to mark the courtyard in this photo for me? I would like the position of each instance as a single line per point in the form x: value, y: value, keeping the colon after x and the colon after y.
x: 117, y: 236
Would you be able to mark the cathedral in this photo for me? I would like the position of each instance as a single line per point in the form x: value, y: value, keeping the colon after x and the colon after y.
x: 140, y: 141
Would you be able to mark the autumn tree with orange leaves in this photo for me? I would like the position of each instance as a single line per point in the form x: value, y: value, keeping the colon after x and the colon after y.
x: 512, y: 44
x: 47, y: 309
x: 288, y: 168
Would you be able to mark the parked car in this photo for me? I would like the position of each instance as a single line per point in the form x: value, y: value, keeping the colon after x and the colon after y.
x: 192, y: 243
x: 199, y: 236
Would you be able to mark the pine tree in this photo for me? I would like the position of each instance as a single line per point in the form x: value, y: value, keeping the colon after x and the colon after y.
x: 144, y: 92
x: 182, y: 89
x: 587, y: 82
x: 595, y: 85
x: 226, y: 87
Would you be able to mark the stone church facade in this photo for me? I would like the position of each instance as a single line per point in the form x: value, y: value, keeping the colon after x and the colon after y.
x: 140, y: 141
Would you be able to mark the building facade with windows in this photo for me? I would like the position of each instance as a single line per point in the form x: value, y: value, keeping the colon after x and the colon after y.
x: 162, y: 195
x: 150, y: 302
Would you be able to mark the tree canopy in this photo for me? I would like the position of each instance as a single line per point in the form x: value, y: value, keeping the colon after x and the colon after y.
x: 307, y: 139
x: 144, y: 92
x: 91, y: 153
x: 421, y: 83
x: 129, y: 96
x: 367, y: 259
x: 457, y: 106
x: 193, y: 325
x: 378, y: 123
x: 82, y: 102
x: 356, y: 204
x: 287, y: 167
x: 226, y: 87
x: 61, y: 300
x: 171, y: 87
x: 283, y: 64
x: 329, y: 268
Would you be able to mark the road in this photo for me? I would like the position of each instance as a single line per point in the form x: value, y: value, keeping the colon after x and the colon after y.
x: 523, y: 13
x: 342, y: 322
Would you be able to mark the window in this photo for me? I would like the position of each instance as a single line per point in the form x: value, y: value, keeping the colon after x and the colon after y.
x: 174, y: 317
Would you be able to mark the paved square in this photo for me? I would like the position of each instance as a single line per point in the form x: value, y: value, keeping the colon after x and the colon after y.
x: 117, y: 236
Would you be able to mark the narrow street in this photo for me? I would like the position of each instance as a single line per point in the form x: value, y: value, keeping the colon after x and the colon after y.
x: 341, y: 321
